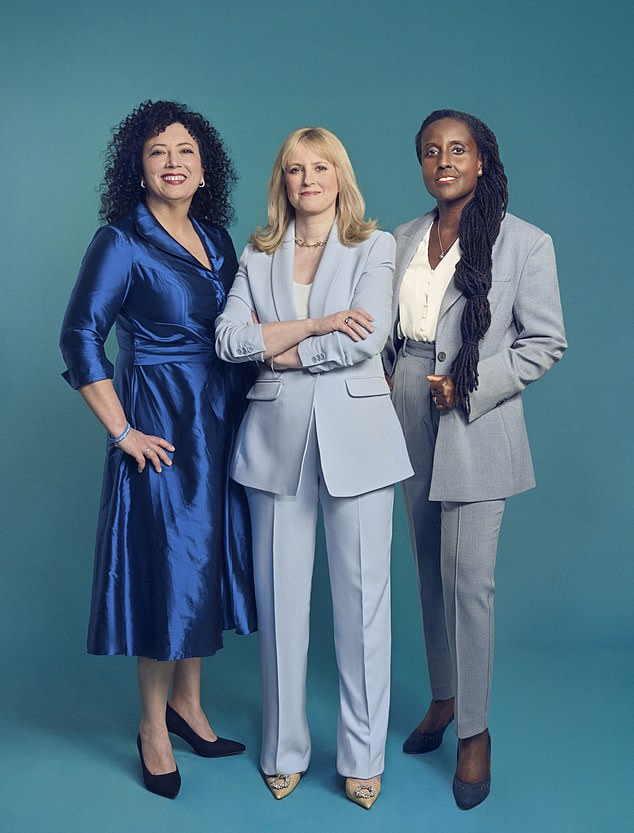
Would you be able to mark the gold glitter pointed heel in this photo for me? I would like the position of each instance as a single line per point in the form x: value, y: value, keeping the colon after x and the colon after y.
x: 282, y: 785
x: 363, y: 792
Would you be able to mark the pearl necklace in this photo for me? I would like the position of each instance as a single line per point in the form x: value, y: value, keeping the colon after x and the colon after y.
x: 443, y: 252
x: 305, y: 245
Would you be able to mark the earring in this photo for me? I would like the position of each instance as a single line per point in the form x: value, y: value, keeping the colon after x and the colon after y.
x: 142, y: 183
x: 201, y: 184
x: 480, y: 172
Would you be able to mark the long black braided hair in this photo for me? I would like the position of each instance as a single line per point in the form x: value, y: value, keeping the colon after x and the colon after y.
x: 121, y: 189
x: 478, y: 230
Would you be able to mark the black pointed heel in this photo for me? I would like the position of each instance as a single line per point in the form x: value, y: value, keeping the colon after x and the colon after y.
x: 420, y: 742
x: 220, y: 748
x: 467, y: 795
x: 167, y: 785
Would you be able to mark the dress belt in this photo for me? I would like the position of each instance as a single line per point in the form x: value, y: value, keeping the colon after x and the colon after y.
x: 149, y: 354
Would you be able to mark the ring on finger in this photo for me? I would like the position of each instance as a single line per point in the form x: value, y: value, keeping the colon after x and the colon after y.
x: 347, y: 320
x: 147, y: 451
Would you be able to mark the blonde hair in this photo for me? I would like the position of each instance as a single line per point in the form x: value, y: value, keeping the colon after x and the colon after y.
x: 353, y: 228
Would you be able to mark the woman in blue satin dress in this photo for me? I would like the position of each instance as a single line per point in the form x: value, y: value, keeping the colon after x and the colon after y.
x: 173, y: 552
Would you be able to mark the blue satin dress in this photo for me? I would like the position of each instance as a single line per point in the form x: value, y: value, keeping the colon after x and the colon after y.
x: 173, y: 552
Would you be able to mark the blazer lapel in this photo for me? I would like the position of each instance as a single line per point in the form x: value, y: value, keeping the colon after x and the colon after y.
x: 331, y: 261
x: 282, y: 277
x: 414, y: 237
x: 416, y: 234
x: 452, y: 294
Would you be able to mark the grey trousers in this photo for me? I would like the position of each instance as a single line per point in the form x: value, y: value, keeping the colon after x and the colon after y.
x: 455, y: 547
x: 358, y: 537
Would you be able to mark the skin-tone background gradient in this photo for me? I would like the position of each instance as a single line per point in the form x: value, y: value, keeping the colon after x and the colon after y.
x: 552, y: 81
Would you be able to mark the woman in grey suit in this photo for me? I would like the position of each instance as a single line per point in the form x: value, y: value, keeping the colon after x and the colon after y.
x: 477, y: 317
x: 312, y: 302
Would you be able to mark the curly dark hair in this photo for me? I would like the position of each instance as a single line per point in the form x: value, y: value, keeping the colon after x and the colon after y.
x: 121, y: 189
x: 478, y: 230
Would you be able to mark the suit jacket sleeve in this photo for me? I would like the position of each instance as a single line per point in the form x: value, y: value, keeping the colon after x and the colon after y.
x: 98, y: 295
x: 238, y: 339
x: 541, y: 338
x: 373, y: 293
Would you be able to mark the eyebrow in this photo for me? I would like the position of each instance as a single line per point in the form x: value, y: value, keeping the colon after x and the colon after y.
x: 316, y: 162
x: 164, y: 145
x: 451, y: 142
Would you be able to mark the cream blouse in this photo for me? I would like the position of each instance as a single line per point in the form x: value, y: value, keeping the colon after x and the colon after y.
x: 301, y: 292
x: 422, y: 291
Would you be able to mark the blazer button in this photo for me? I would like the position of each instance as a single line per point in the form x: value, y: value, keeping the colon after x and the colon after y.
x: 441, y: 356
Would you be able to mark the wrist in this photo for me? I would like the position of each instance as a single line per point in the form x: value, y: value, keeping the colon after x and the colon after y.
x: 120, y: 437
x: 320, y: 327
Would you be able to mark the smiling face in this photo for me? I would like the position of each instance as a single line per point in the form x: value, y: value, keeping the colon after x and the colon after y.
x: 172, y: 168
x: 451, y: 161
x: 311, y: 183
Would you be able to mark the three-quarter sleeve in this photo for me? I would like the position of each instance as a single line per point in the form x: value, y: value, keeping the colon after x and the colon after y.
x: 98, y: 295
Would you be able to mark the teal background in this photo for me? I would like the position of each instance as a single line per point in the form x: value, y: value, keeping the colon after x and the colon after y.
x: 553, y: 80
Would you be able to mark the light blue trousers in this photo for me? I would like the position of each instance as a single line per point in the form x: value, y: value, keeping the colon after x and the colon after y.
x: 358, y: 537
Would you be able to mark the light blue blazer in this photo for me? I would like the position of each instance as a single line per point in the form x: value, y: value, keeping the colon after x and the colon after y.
x: 487, y: 456
x: 341, y: 386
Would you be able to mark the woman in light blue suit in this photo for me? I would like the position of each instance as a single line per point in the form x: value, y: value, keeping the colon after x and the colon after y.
x: 477, y: 318
x: 312, y: 302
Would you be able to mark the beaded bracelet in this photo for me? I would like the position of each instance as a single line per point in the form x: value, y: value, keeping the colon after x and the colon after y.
x: 121, y: 437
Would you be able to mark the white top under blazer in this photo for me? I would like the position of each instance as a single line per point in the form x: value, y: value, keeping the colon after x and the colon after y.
x: 423, y: 289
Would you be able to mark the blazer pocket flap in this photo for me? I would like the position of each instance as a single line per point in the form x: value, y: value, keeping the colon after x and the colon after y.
x: 265, y: 389
x: 369, y: 386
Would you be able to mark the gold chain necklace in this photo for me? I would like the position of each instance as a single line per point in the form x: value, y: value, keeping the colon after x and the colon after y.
x: 305, y: 245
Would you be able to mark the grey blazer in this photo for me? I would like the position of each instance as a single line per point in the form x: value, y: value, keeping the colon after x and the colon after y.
x: 487, y: 456
x: 341, y: 386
